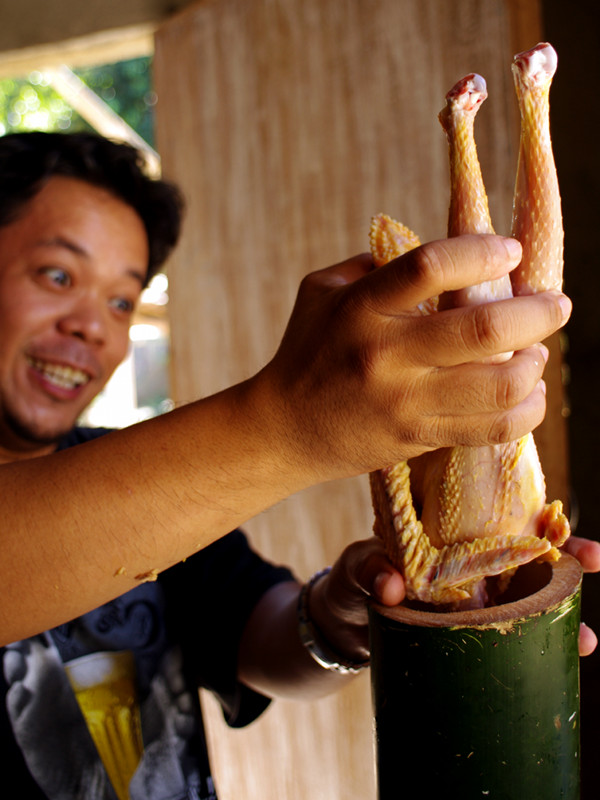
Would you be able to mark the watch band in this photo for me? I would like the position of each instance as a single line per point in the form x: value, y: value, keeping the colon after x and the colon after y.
x: 314, y: 642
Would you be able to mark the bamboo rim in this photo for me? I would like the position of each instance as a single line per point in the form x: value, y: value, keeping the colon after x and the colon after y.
x: 552, y: 582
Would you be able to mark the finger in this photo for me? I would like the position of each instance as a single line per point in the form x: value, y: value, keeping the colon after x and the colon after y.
x: 586, y: 551
x: 511, y: 324
x: 587, y: 640
x: 377, y: 578
x: 479, y: 388
x: 478, y: 430
x: 380, y: 581
x: 475, y: 333
x: 364, y: 570
x: 437, y: 267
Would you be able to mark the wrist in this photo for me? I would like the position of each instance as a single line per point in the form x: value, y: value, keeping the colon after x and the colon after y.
x: 321, y: 648
x: 279, y: 427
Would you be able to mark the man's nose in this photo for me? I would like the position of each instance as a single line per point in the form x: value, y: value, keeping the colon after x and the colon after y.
x: 86, y: 320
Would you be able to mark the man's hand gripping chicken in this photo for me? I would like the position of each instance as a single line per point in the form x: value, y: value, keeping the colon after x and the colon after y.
x: 483, y: 510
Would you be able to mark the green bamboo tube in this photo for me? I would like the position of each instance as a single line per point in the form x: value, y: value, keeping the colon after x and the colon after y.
x: 481, y: 703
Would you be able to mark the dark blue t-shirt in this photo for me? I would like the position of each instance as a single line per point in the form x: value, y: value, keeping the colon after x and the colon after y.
x: 106, y: 707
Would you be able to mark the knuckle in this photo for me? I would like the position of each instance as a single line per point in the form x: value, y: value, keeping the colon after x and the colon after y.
x: 486, y: 329
x: 366, y: 358
x: 502, y: 430
x: 372, y: 356
x: 366, y: 363
x: 511, y: 425
x: 428, y: 266
x: 311, y: 282
x: 510, y: 390
x: 426, y: 434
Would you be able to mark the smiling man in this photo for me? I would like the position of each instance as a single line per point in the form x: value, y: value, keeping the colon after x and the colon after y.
x: 72, y: 269
x: 81, y: 232
x: 123, y: 589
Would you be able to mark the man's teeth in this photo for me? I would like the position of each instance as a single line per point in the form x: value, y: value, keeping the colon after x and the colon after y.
x: 59, y: 375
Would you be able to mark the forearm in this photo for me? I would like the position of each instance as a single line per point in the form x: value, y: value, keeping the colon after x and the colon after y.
x: 85, y: 525
x: 358, y: 382
x: 273, y: 659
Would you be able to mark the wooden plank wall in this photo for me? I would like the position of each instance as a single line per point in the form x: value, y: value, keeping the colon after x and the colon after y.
x: 288, y: 125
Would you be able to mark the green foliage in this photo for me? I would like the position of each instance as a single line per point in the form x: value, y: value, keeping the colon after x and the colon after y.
x: 126, y: 86
x: 32, y: 104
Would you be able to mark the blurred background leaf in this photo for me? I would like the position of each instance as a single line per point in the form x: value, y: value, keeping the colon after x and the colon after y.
x: 32, y: 103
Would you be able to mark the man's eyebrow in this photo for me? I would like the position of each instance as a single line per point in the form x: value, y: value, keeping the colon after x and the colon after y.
x: 60, y: 241
x: 68, y: 244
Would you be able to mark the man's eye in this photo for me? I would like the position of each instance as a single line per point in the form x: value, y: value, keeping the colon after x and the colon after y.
x: 57, y: 276
x: 122, y: 304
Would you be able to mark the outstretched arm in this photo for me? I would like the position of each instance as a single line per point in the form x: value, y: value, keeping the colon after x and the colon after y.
x: 360, y: 381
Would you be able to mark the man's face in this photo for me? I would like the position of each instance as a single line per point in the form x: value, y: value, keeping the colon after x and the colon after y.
x: 71, y: 269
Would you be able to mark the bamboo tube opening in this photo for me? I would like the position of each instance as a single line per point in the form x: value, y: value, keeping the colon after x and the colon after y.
x: 534, y: 589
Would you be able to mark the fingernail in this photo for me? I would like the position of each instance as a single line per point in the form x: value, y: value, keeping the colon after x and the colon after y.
x: 380, y: 582
x: 545, y: 352
x: 514, y: 248
x: 565, y: 305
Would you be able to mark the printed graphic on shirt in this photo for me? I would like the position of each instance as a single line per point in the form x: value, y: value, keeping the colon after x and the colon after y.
x: 101, y: 710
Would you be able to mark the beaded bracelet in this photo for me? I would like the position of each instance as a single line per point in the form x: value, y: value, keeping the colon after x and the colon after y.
x: 314, y: 642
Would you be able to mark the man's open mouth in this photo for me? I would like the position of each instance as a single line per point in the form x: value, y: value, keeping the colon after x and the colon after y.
x: 59, y: 375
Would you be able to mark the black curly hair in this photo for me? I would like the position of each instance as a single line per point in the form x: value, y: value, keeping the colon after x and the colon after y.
x: 29, y: 160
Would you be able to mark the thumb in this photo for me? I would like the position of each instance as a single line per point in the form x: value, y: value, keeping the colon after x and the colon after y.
x: 379, y: 579
x: 388, y: 587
